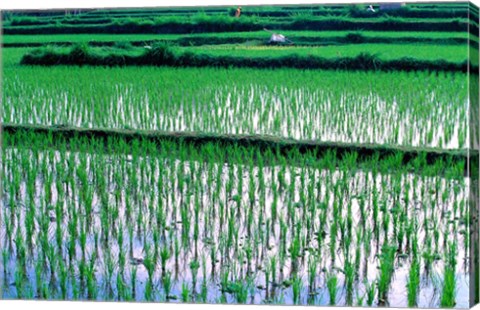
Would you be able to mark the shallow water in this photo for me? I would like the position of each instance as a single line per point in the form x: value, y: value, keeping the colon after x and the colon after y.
x: 158, y: 188
x: 412, y: 109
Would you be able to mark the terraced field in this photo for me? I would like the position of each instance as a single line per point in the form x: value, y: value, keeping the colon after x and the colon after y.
x: 178, y: 155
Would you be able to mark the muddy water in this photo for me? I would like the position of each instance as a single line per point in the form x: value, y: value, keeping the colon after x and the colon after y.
x: 158, y: 183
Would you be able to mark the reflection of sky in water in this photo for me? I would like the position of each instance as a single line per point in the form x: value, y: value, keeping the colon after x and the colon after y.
x: 295, y: 113
x: 430, y: 289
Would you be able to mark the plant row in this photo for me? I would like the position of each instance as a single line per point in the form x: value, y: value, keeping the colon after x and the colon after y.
x: 163, y: 55
x: 196, y: 40
x: 229, y: 24
x: 327, y: 105
x: 170, y: 221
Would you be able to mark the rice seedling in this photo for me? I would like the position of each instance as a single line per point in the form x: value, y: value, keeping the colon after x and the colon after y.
x: 387, y: 259
x: 133, y: 282
x: 185, y: 292
x: 413, y: 282
x: 194, y: 266
x: 370, y: 293
x: 447, y: 299
x: 235, y: 249
x: 164, y: 257
x: 349, y: 272
x: 312, y: 272
x: 332, y: 107
x: 297, y: 286
x: 448, y: 292
x: 332, y: 288
x: 167, y: 285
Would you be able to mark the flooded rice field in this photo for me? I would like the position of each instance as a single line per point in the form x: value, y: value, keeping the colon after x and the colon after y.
x: 398, y: 108
x: 174, y: 222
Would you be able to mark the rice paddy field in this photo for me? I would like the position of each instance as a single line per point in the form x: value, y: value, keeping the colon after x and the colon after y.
x: 176, y: 155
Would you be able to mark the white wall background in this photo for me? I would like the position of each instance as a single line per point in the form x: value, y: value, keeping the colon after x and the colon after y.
x: 47, y: 4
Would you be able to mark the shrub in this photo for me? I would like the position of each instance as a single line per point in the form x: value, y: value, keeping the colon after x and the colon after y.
x: 79, y: 54
x: 354, y: 38
x: 160, y: 54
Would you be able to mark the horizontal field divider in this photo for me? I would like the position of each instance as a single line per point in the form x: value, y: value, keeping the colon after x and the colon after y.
x: 354, y: 12
x: 248, y: 24
x: 298, y: 41
x: 165, y: 55
x: 262, y: 142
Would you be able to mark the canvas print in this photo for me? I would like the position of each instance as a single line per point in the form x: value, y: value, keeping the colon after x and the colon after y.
x: 321, y: 154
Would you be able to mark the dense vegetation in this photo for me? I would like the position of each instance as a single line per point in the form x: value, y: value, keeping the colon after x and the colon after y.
x: 163, y: 55
x: 130, y: 222
x: 302, y: 38
x: 176, y: 154
x: 229, y: 24
x: 308, y: 105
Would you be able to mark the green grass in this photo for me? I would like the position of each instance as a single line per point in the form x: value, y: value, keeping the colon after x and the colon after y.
x: 264, y: 11
x: 210, y: 221
x: 166, y: 86
x: 448, y: 292
x: 332, y: 288
x: 201, y: 23
x: 164, y: 55
x: 200, y: 17
x: 413, y: 283
x: 384, y: 51
x: 7, y: 39
x: 145, y: 173
x: 387, y: 269
x: 11, y: 58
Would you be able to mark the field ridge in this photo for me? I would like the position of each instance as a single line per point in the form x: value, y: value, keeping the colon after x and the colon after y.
x: 263, y: 141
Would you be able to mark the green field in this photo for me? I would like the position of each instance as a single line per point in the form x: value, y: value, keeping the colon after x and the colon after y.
x: 246, y: 98
x: 384, y: 51
x: 176, y: 155
x: 7, y: 39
